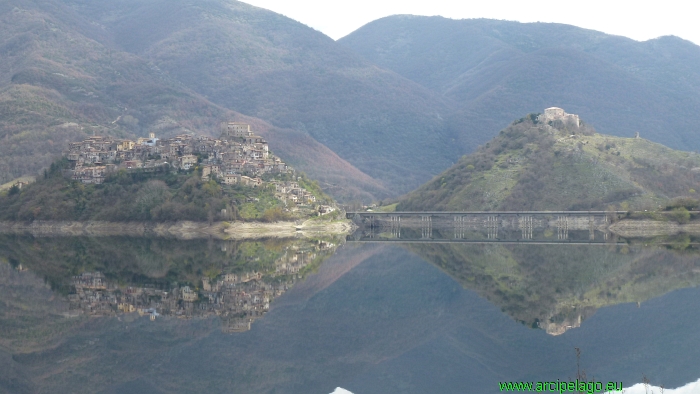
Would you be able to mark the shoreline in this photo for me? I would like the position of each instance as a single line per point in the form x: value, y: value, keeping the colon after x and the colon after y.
x: 181, y: 229
x: 238, y: 230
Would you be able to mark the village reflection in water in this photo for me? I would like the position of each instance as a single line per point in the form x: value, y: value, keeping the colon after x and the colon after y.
x: 542, y: 285
x: 544, y: 281
x: 118, y: 312
x: 233, y: 280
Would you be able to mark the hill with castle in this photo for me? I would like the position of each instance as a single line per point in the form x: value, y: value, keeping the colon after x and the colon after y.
x: 555, y: 161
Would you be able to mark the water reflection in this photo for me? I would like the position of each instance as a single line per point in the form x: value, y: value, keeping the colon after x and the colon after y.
x: 548, y: 272
x: 546, y: 285
x: 557, y: 287
x: 233, y: 280
x: 373, y: 318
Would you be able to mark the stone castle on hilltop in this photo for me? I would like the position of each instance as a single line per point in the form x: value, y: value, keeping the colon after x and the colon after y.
x: 236, y: 130
x: 555, y: 113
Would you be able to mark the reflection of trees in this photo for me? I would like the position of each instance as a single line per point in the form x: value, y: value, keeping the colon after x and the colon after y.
x: 108, y: 276
x: 31, y: 316
x: 555, y: 287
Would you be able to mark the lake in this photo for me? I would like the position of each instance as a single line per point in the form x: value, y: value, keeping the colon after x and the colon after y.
x: 300, y: 315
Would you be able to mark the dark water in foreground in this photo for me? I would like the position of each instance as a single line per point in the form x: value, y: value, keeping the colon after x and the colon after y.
x: 133, y: 315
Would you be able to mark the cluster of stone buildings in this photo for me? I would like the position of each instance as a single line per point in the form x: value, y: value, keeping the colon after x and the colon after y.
x: 237, y: 298
x: 237, y: 157
x: 555, y: 113
x: 292, y: 191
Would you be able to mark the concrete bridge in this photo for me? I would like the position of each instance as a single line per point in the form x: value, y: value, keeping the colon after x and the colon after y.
x: 498, y: 226
x: 496, y: 217
x: 350, y: 215
x: 603, y: 242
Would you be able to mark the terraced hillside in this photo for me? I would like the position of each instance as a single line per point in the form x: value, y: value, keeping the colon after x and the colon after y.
x: 533, y: 165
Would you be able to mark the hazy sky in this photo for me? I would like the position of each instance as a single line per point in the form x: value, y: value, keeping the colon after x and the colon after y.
x: 639, y: 20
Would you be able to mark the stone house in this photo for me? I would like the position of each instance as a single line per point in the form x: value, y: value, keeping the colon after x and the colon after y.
x: 556, y: 113
x: 238, y: 130
x: 186, y: 162
x: 232, y: 179
x: 125, y: 145
x: 188, y: 295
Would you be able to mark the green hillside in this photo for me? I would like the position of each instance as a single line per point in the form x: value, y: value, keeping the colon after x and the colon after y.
x: 61, y: 79
x: 533, y: 165
x: 161, y: 195
x: 552, y: 286
x: 498, y: 70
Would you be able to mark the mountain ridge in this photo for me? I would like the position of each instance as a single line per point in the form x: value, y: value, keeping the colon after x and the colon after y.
x: 498, y: 70
x: 127, y: 67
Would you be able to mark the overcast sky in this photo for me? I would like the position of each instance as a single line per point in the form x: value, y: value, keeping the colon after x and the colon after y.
x: 635, y: 19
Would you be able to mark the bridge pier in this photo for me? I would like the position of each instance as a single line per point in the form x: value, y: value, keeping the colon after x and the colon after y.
x: 426, y: 227
x: 492, y: 224
x: 460, y: 224
x: 526, y: 226
x: 563, y: 227
x: 395, y: 226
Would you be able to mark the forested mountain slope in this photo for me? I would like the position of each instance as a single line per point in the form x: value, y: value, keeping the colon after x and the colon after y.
x: 498, y: 70
x: 57, y: 85
x: 62, y: 79
x: 266, y: 65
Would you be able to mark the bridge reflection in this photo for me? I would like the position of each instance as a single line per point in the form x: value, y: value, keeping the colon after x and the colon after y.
x: 541, y: 227
x: 485, y: 241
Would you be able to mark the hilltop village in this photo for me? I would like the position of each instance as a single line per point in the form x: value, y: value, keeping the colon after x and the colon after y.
x: 237, y: 298
x: 238, y: 157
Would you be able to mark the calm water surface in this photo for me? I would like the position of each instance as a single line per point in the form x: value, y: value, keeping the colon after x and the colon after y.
x: 135, y: 315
